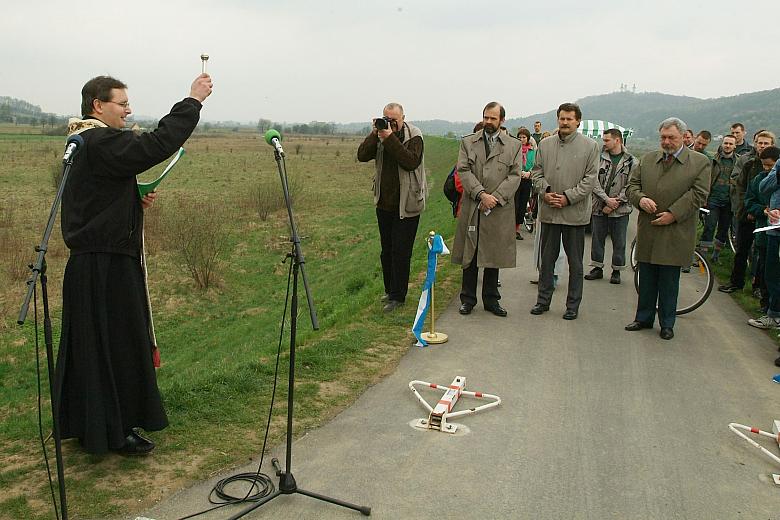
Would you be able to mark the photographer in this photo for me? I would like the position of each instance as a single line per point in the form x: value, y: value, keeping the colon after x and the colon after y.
x: 399, y: 195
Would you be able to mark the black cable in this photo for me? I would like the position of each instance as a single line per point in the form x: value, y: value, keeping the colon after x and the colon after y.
x: 40, y: 415
x: 260, y: 484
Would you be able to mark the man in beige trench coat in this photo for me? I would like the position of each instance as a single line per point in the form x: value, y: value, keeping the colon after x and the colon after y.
x: 669, y: 187
x: 489, y: 169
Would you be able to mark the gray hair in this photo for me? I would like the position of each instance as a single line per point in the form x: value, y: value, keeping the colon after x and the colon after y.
x: 392, y: 106
x: 673, y: 121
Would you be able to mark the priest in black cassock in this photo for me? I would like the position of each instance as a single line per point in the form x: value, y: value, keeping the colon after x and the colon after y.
x: 105, y: 383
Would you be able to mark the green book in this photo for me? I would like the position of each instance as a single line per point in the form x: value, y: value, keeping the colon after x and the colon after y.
x: 146, y: 187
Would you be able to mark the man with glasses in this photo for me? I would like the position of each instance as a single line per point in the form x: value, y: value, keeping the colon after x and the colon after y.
x: 489, y: 166
x: 399, y: 195
x: 105, y: 383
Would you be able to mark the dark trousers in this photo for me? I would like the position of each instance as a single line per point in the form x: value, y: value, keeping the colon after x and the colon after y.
x: 720, y: 217
x: 616, y: 228
x: 658, y: 285
x: 760, y: 280
x: 468, y: 288
x: 573, y: 238
x: 744, y: 241
x: 772, y: 274
x: 397, y: 238
x: 522, y: 195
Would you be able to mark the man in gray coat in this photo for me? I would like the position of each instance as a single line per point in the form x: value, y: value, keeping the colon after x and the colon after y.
x: 565, y: 174
x: 669, y: 187
x: 489, y: 165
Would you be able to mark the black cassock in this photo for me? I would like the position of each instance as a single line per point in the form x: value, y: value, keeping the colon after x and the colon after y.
x: 105, y: 381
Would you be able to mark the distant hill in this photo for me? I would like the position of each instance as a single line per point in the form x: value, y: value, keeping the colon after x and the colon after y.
x: 642, y: 112
x: 18, y: 111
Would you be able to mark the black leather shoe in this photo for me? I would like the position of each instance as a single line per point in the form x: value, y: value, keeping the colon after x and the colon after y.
x: 666, y: 333
x: 777, y: 362
x: 391, y: 305
x: 539, y: 309
x: 136, y: 444
x: 728, y: 288
x: 465, y: 308
x: 570, y: 315
x: 597, y: 273
x: 496, y: 309
x: 518, y: 236
x: 615, y: 278
x: 638, y: 325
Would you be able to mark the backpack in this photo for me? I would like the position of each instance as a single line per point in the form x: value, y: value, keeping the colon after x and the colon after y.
x: 451, y: 192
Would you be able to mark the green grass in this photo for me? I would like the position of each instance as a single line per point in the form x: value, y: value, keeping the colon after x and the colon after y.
x: 218, y: 346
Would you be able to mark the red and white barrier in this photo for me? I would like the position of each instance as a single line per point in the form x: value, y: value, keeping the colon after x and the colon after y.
x: 438, y: 415
x: 735, y: 427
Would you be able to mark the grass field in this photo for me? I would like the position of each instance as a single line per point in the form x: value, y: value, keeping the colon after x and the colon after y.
x: 218, y: 345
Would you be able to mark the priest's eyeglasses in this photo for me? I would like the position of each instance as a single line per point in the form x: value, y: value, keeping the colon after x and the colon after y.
x: 123, y: 104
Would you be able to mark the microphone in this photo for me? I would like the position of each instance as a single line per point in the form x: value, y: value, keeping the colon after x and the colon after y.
x: 72, y: 147
x: 274, y: 138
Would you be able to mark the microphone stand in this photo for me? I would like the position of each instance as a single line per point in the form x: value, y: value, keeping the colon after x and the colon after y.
x: 287, y: 484
x: 39, y: 270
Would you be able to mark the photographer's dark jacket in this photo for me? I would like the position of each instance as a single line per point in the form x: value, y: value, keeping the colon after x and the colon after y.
x: 399, y: 184
x: 101, y: 208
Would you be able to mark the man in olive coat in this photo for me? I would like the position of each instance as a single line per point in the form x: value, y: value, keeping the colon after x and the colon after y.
x: 489, y: 166
x: 565, y: 173
x: 669, y: 187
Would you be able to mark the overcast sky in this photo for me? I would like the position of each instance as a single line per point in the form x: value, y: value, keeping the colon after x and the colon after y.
x: 299, y: 61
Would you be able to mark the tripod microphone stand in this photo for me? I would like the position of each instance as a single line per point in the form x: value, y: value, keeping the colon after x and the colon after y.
x: 39, y: 270
x: 287, y: 484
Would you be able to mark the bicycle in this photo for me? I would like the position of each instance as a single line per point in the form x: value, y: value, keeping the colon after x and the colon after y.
x: 528, y: 219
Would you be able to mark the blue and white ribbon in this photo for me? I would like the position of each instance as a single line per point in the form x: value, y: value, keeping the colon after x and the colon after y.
x: 435, y: 247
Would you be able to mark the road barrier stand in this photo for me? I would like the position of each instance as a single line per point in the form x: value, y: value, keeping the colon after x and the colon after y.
x: 735, y: 427
x: 442, y: 412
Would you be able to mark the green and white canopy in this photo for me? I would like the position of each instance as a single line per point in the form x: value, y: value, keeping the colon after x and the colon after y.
x: 595, y: 128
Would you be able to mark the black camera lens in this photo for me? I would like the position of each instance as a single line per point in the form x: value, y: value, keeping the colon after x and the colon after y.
x: 380, y: 123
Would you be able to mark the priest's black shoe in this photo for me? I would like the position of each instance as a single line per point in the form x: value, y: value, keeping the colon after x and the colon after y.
x: 465, y: 308
x: 666, y: 333
x: 597, y: 273
x: 539, y: 309
x: 136, y: 444
x: 638, y: 325
x: 496, y: 309
x: 570, y: 315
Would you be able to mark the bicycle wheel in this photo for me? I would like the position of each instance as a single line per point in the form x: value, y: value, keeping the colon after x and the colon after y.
x: 733, y: 235
x: 632, y: 257
x: 695, y: 284
x: 528, y: 218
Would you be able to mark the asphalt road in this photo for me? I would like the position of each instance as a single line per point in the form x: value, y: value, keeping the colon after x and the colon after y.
x: 595, y: 422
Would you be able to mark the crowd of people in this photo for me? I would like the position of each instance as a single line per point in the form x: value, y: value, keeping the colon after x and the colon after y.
x: 572, y: 183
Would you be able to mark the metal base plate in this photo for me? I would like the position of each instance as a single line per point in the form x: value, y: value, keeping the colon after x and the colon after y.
x: 434, y: 337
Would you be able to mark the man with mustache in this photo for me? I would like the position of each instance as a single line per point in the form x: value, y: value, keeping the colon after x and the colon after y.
x: 669, y: 187
x: 489, y: 169
x: 565, y: 173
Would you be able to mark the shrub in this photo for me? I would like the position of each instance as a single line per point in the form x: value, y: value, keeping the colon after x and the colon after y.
x: 198, y: 233
x: 265, y: 195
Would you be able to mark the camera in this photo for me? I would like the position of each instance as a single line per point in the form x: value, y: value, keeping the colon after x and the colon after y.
x: 382, y: 123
